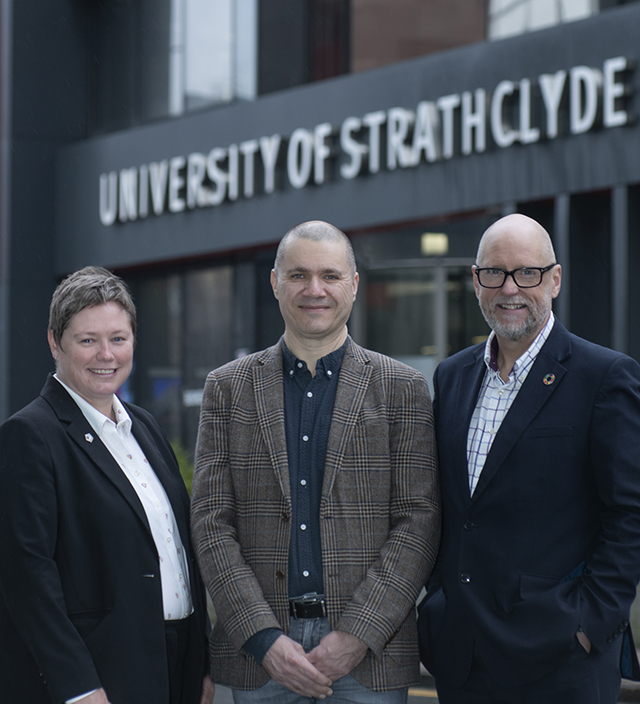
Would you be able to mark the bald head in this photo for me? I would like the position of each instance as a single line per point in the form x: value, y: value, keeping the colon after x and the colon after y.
x: 316, y: 231
x: 512, y: 230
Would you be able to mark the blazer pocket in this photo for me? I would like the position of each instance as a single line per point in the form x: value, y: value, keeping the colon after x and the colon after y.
x: 533, y: 585
x: 87, y: 621
x: 555, y: 431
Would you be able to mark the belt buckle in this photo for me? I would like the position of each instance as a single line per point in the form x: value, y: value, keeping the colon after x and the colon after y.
x: 309, y: 599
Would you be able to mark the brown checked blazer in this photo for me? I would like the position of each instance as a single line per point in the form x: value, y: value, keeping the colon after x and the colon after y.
x: 379, y: 511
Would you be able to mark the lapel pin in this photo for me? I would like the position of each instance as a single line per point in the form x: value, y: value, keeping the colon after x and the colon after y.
x: 548, y: 379
x: 88, y: 437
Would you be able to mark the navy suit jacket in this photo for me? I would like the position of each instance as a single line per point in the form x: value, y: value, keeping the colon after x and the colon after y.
x: 550, y: 540
x: 80, y: 593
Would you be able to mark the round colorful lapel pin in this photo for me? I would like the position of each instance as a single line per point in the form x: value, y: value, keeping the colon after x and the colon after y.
x: 548, y: 379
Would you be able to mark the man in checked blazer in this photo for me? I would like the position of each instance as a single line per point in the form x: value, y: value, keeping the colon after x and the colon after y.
x: 539, y: 441
x: 316, y: 513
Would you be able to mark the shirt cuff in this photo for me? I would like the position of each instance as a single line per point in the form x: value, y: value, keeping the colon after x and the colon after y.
x: 82, y: 696
x: 260, y: 642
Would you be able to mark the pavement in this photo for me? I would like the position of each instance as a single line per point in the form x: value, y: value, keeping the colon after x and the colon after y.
x: 425, y: 692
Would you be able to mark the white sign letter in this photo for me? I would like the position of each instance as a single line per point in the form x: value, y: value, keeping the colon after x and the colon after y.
x: 176, y: 182
x: 474, y: 121
x: 426, y: 132
x: 269, y: 149
x: 300, y: 158
x: 399, y: 122
x: 584, y: 98
x: 158, y: 181
x: 502, y: 135
x: 612, y: 90
x: 248, y: 150
x: 128, y: 195
x: 196, y: 165
x: 528, y: 134
x: 351, y: 147
x: 447, y: 105
x: 321, y: 151
x: 108, y: 198
x: 552, y: 87
x: 216, y: 195
x: 373, y: 120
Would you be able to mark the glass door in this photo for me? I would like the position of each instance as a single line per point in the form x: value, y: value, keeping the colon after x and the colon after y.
x: 421, y: 313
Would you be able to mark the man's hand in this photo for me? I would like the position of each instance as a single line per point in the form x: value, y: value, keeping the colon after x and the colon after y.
x: 337, y: 654
x: 208, y: 690
x: 287, y: 663
x: 97, y: 697
x: 584, y: 641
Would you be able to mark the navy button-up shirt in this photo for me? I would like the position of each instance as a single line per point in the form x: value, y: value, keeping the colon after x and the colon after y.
x: 308, y: 408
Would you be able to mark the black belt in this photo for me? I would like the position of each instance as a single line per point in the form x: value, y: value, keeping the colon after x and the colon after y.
x: 308, y: 606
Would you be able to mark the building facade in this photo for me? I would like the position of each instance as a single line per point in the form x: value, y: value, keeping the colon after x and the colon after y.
x: 176, y: 141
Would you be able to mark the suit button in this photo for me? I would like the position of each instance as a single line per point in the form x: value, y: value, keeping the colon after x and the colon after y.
x: 279, y: 574
x: 610, y: 639
x: 465, y: 578
x: 469, y: 525
x: 625, y: 624
x: 285, y: 516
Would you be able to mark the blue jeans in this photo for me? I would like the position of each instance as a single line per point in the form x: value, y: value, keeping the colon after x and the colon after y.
x: 309, y: 632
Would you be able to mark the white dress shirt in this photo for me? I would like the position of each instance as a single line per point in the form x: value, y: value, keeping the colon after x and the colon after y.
x: 495, y: 399
x: 121, y: 443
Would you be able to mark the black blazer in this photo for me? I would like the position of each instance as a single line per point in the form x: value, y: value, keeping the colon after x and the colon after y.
x: 79, y: 571
x: 550, y: 540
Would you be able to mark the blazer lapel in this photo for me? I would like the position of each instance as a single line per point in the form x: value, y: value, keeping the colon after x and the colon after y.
x: 353, y: 381
x: 269, y: 399
x: 83, y: 435
x: 466, y: 395
x: 527, y: 404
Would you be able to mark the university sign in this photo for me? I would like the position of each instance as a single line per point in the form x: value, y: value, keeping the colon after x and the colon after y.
x: 527, y: 111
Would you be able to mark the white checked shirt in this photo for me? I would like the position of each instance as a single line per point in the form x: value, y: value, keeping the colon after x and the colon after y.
x: 121, y: 443
x: 495, y: 399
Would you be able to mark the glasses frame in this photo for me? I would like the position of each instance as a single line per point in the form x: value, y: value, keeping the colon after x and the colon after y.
x: 541, y: 269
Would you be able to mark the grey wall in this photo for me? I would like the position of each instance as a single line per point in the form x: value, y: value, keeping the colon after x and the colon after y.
x: 47, y: 94
x: 570, y: 163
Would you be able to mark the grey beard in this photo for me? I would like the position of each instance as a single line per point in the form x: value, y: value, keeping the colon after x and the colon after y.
x: 521, y: 331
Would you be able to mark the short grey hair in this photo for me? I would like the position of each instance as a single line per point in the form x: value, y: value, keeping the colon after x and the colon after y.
x: 86, y: 288
x: 317, y: 231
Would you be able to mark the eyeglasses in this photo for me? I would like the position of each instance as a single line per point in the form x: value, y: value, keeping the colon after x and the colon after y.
x: 525, y: 277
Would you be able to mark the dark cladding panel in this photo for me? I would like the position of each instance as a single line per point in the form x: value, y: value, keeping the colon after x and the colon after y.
x: 590, y: 243
x: 283, y: 47
x: 48, y: 109
x: 634, y: 271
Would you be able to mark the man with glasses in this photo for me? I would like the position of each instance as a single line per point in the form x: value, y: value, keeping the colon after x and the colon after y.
x: 539, y: 443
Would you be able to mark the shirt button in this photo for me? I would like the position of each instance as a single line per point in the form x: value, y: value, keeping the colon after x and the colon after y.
x: 303, y: 526
x: 303, y: 482
x: 305, y: 437
x: 291, y: 372
x: 305, y: 573
x: 299, y: 365
x: 501, y: 392
x: 493, y: 431
x: 309, y: 394
x: 329, y: 372
x: 168, y: 540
